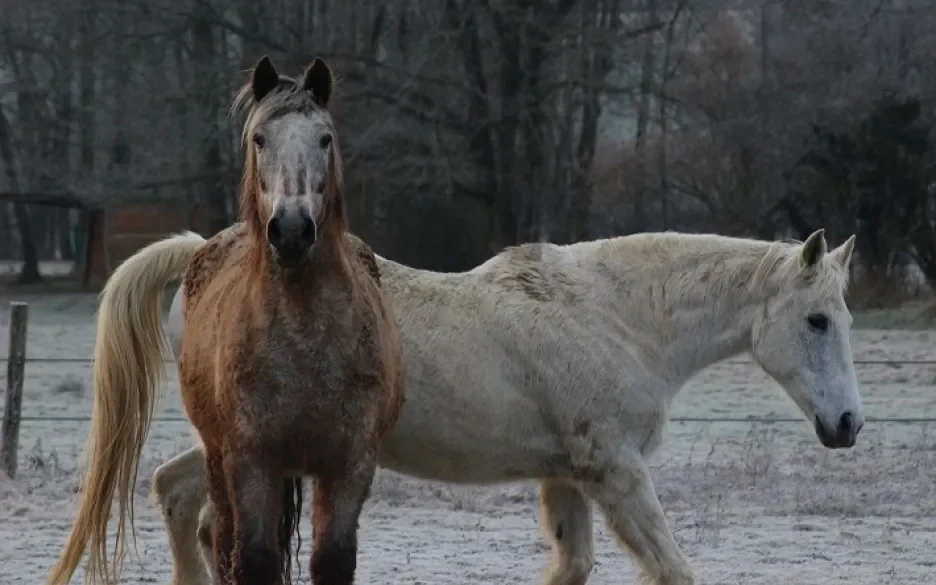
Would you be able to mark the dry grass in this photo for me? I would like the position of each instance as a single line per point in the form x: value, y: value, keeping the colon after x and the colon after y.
x: 716, y: 500
x: 756, y: 504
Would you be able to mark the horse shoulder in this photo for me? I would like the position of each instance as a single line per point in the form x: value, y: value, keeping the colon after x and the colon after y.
x: 376, y: 304
x: 211, y: 259
x: 365, y: 255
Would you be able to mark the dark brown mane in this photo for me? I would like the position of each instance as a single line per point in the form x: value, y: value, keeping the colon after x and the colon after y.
x: 285, y: 99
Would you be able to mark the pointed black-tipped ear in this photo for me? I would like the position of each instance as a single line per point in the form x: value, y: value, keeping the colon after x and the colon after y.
x: 265, y: 78
x: 318, y: 80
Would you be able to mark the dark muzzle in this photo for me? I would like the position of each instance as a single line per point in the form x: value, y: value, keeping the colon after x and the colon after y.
x: 291, y: 235
x: 843, y: 436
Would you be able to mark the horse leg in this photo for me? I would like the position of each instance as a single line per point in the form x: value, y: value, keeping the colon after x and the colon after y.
x: 206, y: 520
x: 338, y: 504
x: 179, y: 489
x: 566, y: 523
x: 254, y: 492
x: 633, y: 511
x: 222, y: 545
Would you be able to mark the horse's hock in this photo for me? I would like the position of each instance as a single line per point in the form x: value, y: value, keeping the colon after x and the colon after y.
x: 119, y: 233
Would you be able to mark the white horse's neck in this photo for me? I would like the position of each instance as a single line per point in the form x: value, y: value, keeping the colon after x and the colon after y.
x: 687, y: 301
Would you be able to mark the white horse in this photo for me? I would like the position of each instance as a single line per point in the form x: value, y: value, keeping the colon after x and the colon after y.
x: 559, y: 363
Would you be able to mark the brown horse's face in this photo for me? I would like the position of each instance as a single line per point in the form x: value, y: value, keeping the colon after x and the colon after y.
x: 294, y: 159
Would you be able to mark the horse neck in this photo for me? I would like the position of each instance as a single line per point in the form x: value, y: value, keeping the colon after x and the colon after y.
x: 688, y: 308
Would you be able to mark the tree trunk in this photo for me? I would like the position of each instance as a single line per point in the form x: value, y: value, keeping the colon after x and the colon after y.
x: 205, y: 55
x: 639, y: 220
x: 30, y: 272
x: 86, y: 104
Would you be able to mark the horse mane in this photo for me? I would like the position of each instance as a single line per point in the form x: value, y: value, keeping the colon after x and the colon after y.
x: 728, y: 264
x: 287, y: 97
x: 782, y: 260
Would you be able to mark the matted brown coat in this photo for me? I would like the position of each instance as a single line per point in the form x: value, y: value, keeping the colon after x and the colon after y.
x: 293, y: 366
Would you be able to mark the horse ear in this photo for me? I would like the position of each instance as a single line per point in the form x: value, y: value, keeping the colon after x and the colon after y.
x: 265, y: 78
x: 843, y: 253
x: 814, y: 248
x: 318, y: 80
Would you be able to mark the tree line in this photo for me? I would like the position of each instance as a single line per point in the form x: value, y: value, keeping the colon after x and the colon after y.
x: 470, y: 125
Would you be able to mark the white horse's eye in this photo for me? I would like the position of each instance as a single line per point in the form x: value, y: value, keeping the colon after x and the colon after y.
x: 818, y: 321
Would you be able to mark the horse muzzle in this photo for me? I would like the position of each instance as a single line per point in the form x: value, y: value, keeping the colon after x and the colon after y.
x: 843, y: 436
x: 292, y: 236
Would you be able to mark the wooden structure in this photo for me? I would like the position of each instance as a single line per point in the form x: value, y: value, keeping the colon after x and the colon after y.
x: 114, y: 235
x: 12, y: 411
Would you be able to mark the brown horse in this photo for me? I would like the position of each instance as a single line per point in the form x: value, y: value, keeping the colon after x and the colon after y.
x: 294, y: 366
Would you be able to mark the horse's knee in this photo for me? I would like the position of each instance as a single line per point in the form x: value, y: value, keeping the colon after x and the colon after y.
x: 334, y: 562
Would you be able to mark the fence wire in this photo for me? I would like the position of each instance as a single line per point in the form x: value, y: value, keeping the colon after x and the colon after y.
x: 683, y: 419
x: 679, y: 419
x: 882, y: 362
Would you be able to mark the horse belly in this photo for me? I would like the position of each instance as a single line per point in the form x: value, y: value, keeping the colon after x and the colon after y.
x: 485, y: 443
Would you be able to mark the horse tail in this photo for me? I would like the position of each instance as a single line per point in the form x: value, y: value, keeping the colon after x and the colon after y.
x: 128, y: 369
x: 289, y: 525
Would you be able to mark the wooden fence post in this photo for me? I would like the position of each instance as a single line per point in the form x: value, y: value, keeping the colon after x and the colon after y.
x: 16, y: 365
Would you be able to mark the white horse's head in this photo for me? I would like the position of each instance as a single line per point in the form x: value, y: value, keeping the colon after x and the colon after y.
x: 801, y: 338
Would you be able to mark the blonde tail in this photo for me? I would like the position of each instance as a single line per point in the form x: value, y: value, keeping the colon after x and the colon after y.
x: 128, y: 369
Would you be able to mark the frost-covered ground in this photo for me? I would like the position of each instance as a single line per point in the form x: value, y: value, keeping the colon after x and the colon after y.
x: 750, y: 503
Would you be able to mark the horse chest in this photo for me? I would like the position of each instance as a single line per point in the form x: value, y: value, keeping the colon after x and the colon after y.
x: 296, y: 366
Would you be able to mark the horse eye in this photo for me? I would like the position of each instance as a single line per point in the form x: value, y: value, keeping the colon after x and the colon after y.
x: 325, y: 140
x: 818, y: 321
x: 259, y: 139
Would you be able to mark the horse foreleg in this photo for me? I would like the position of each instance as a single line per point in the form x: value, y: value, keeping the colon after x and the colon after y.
x: 222, y: 545
x: 566, y: 524
x: 179, y: 489
x: 254, y: 492
x: 338, y: 504
x: 633, y: 512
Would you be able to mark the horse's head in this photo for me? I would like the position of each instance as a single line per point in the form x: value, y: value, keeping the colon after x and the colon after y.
x: 801, y: 338
x: 292, y: 173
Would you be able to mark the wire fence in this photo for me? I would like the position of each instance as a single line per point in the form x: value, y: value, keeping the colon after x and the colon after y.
x: 685, y: 419
x: 736, y: 362
x: 680, y: 419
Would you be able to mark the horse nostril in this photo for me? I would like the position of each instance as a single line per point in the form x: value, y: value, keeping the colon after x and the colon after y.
x: 273, y: 233
x: 845, y: 423
x: 309, y: 232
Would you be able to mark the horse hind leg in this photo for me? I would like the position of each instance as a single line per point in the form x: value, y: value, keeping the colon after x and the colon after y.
x: 205, y: 536
x: 566, y: 523
x: 179, y: 490
x: 338, y: 505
